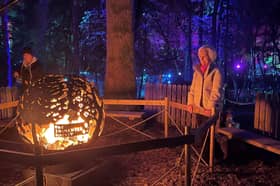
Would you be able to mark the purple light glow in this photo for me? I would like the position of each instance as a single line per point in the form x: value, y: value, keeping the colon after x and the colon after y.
x: 7, y: 44
x: 238, y: 66
x: 265, y: 66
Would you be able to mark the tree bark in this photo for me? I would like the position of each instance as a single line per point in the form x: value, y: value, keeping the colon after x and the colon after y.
x: 188, y: 60
x: 75, y: 61
x: 226, y: 42
x: 5, y: 28
x: 120, y: 80
x: 41, y: 25
x: 145, y: 60
x: 200, y: 28
x: 214, y: 23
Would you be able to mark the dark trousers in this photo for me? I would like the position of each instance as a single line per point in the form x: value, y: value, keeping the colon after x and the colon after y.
x: 196, y: 120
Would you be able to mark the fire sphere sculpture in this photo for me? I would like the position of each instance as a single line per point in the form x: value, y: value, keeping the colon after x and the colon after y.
x: 66, y: 111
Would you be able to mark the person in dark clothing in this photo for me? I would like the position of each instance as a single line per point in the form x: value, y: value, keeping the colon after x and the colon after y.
x: 30, y: 70
x: 3, y: 71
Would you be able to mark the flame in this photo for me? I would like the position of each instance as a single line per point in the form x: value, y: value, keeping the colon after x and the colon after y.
x: 59, y: 143
x: 49, y: 134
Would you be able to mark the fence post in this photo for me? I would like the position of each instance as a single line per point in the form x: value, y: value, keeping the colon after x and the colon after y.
x: 187, y: 159
x: 211, y: 152
x: 166, y: 110
x: 38, y: 167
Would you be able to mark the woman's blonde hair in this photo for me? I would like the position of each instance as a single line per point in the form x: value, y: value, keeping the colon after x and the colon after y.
x: 210, y: 51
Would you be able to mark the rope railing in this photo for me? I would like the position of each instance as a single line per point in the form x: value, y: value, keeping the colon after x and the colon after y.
x: 168, y: 105
x: 91, y: 153
x: 133, y: 125
x: 174, y: 124
x: 177, y: 165
x: 9, y: 124
x: 239, y: 103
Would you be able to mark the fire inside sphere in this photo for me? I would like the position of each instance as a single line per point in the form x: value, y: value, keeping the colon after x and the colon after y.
x: 66, y: 111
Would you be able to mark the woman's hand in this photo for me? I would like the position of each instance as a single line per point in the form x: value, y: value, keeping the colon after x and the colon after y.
x: 16, y: 75
x: 207, y: 112
x: 190, y: 108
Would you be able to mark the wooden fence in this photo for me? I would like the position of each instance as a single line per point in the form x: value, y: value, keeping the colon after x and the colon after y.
x: 267, y: 114
x: 167, y: 107
x: 266, y: 117
x: 174, y: 93
x: 8, y: 94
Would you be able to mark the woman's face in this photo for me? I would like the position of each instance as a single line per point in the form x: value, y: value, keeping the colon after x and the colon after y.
x: 203, y: 57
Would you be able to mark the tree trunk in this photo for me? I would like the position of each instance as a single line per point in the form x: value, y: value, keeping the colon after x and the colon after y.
x: 5, y: 28
x: 226, y: 42
x: 254, y: 52
x: 200, y: 28
x: 219, y: 31
x: 145, y: 60
x: 120, y: 71
x: 141, y: 84
x: 188, y: 60
x: 41, y: 25
x: 214, y: 23
x: 75, y: 63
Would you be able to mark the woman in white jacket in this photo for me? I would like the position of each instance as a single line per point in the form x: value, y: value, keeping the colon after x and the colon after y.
x: 205, y: 90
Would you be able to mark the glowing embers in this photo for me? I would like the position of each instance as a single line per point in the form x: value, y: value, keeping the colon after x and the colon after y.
x: 68, y: 130
x: 64, y: 133
x: 65, y: 113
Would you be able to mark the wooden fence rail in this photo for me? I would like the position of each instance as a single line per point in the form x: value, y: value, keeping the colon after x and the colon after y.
x: 167, y: 107
x: 163, y: 104
x: 267, y: 114
x: 8, y: 94
x: 266, y: 133
x: 156, y: 92
x: 266, y: 117
x: 154, y: 102
x: 175, y: 94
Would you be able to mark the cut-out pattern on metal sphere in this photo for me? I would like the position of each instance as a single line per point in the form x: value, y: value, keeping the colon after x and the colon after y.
x: 66, y: 111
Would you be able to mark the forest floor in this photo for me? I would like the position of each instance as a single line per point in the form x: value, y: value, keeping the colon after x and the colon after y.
x: 245, y: 165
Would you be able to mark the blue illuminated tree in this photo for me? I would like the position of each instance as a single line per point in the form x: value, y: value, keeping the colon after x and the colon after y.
x: 93, y: 43
x: 6, y: 46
